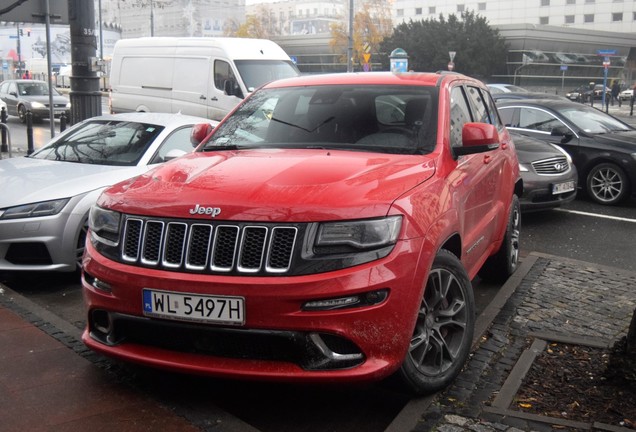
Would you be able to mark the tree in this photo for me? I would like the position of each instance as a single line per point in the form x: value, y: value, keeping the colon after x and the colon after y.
x: 370, y: 26
x: 480, y: 50
x: 262, y: 25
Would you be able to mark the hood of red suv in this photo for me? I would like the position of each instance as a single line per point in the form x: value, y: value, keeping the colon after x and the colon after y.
x: 272, y: 185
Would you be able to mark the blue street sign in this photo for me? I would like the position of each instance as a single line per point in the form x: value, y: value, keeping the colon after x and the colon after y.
x: 606, y: 52
x: 13, y: 36
x: 564, y: 67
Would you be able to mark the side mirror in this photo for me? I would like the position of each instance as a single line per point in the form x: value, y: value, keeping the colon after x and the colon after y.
x: 231, y: 88
x: 199, y: 133
x: 14, y: 94
x: 563, y: 132
x: 173, y: 154
x: 478, y: 138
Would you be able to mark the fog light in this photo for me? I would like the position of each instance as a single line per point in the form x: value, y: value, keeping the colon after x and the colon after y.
x: 366, y: 299
x: 101, y: 321
x: 96, y: 283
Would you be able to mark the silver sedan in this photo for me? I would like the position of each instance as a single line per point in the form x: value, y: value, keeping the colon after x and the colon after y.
x: 46, y: 196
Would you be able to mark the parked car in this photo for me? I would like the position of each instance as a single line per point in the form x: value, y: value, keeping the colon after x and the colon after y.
x: 578, y: 94
x: 526, y: 95
x: 548, y: 174
x: 327, y: 231
x: 602, y: 147
x: 626, y: 95
x: 505, y: 88
x: 46, y: 196
x: 32, y: 95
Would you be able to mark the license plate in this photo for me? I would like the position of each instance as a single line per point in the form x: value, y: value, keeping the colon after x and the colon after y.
x: 194, y: 307
x: 560, y: 188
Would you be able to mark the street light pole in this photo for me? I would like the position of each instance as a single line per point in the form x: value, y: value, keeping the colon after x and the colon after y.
x: 152, y: 19
x: 350, y: 47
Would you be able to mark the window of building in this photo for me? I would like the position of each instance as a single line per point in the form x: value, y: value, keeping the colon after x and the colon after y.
x: 431, y: 10
x: 633, y: 16
x: 545, y: 2
x: 400, y: 12
x: 460, y: 8
x: 544, y: 20
x: 570, y: 2
x: 590, y: 1
x: 617, y: 16
x: 569, y: 19
x: 418, y: 11
x: 481, y: 6
x: 588, y: 18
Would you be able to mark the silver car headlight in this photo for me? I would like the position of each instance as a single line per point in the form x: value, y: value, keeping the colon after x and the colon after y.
x: 37, y: 105
x: 39, y: 209
x: 104, y: 225
x: 359, y: 234
x: 523, y: 168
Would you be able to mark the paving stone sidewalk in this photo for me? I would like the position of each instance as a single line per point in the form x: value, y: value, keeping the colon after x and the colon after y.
x: 558, y: 298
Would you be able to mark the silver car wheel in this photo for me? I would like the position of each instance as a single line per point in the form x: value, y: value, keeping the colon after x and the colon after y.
x: 607, y: 184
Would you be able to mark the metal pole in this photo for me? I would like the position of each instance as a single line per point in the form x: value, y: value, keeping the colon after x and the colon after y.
x: 47, y: 20
x: 101, y: 32
x: 350, y: 47
x: 19, y: 52
x: 152, y: 19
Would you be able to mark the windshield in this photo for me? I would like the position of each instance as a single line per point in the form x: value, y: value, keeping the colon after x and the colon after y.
x: 34, y: 89
x: 103, y: 143
x: 592, y: 120
x: 255, y: 73
x: 389, y: 119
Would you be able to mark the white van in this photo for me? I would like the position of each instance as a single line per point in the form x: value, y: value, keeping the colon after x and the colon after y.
x: 205, y: 77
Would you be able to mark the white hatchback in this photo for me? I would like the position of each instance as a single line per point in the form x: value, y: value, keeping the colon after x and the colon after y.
x: 46, y: 196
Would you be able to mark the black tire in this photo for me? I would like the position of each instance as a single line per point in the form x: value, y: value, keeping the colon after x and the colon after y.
x: 502, y: 264
x: 22, y: 113
x: 444, y: 329
x: 607, y: 184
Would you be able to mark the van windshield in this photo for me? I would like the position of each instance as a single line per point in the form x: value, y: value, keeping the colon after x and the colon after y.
x: 255, y: 73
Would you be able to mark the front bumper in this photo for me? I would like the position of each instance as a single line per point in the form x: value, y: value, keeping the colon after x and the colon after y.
x: 279, y: 340
x: 537, y: 190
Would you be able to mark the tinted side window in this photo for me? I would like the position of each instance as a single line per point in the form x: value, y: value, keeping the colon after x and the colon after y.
x: 509, y: 116
x: 459, y: 115
x: 534, y: 119
x: 492, y: 110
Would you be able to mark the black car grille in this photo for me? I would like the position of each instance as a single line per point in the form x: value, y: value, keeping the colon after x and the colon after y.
x: 208, y: 247
x: 552, y: 166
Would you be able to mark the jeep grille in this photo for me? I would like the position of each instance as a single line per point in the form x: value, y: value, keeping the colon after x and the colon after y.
x: 208, y: 247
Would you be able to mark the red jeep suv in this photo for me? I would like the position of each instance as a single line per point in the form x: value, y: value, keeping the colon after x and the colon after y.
x: 327, y: 230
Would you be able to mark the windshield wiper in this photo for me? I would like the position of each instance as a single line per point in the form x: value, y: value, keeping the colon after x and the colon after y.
x: 220, y: 147
x: 325, y: 121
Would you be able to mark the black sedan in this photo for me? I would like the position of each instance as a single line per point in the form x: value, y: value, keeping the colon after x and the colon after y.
x: 549, y: 177
x: 602, y: 147
x: 26, y: 95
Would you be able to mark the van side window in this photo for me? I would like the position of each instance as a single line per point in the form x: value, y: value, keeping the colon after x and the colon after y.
x: 225, y: 80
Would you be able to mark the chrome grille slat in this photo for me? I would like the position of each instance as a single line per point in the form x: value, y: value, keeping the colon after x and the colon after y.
x: 197, y: 246
x: 557, y: 165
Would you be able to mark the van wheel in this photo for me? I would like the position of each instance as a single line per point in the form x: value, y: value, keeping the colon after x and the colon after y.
x: 444, y: 328
x: 501, y: 265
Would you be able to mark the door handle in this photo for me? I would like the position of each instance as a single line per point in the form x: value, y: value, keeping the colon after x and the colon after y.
x: 202, y: 97
x: 214, y: 98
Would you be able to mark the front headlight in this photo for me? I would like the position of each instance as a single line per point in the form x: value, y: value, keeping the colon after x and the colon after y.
x: 522, y: 168
x: 104, y: 225
x: 39, y: 209
x: 349, y: 236
x: 68, y: 105
x: 37, y: 105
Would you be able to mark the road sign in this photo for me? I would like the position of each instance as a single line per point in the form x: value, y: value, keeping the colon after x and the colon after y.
x: 451, y: 66
x: 564, y: 67
x: 366, y: 57
x: 451, y: 54
x: 366, y: 67
x: 367, y: 47
x: 606, y: 52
